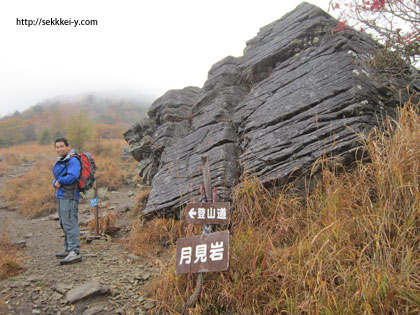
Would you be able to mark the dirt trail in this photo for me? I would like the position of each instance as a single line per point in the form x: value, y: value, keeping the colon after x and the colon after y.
x: 43, y: 287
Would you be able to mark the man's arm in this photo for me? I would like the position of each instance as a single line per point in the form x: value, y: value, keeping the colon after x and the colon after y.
x: 73, y: 172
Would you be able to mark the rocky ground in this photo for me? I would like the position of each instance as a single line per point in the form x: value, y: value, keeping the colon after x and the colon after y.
x: 109, y: 280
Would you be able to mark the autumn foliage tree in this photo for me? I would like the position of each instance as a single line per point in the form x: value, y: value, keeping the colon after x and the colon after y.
x: 58, y: 124
x: 44, y: 137
x: 395, y: 23
x: 11, y: 131
x: 80, y: 130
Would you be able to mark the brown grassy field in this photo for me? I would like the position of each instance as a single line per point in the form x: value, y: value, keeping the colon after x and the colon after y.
x: 351, y: 246
x: 15, y: 155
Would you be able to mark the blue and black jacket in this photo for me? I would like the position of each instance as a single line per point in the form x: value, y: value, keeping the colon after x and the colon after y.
x: 66, y: 171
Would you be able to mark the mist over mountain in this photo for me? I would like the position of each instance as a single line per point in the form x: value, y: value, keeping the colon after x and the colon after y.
x: 108, y: 111
x: 107, y: 108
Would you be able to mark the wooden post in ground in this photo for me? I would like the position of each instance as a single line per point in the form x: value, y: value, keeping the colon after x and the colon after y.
x: 96, y: 212
x: 207, y: 228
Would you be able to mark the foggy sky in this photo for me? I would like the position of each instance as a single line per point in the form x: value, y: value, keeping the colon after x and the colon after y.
x: 138, y: 47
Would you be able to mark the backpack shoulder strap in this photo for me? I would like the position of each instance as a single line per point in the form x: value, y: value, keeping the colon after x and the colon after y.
x: 76, y: 155
x: 74, y: 185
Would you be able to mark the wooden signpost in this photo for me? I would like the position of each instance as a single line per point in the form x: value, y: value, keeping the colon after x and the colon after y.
x: 208, y: 252
x: 94, y: 204
x: 96, y: 210
x: 203, y: 253
x: 207, y: 213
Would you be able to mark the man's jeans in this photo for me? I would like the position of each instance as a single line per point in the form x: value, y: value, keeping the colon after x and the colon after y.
x: 69, y: 221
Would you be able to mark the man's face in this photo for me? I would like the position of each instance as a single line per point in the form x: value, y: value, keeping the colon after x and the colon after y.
x: 61, y: 149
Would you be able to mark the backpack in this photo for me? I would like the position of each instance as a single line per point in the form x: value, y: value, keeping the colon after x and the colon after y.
x: 87, y: 171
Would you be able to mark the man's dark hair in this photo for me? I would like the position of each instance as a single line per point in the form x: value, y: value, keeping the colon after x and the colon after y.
x: 64, y: 140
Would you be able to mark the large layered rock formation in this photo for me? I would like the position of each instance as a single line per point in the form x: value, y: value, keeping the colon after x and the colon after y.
x: 300, y: 91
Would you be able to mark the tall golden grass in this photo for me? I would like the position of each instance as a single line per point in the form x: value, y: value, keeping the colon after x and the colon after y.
x: 29, y: 191
x: 112, y: 172
x: 350, y: 246
x: 106, y: 223
x: 151, y: 238
x: 141, y: 202
x: 24, y: 153
x: 32, y: 192
x: 19, y: 154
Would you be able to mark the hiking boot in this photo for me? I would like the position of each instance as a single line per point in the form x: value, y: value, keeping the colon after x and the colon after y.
x: 71, y: 258
x: 63, y: 254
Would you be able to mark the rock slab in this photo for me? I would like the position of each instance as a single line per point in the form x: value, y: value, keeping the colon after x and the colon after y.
x: 86, y: 290
x: 301, y: 91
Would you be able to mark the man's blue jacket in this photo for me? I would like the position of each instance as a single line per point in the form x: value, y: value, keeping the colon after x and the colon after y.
x: 66, y: 171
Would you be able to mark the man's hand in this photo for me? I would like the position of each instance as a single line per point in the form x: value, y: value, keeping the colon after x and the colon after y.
x: 57, y: 184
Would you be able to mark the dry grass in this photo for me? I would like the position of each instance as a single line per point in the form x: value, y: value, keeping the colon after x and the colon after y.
x: 19, y: 154
x: 351, y: 246
x: 32, y: 192
x: 141, y: 201
x: 107, y: 223
x: 5, y: 168
x: 149, y: 238
x: 24, y: 153
x: 10, y: 260
x: 112, y: 171
x: 109, y: 173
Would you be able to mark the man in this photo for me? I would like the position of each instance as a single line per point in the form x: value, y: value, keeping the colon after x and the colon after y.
x: 66, y: 172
